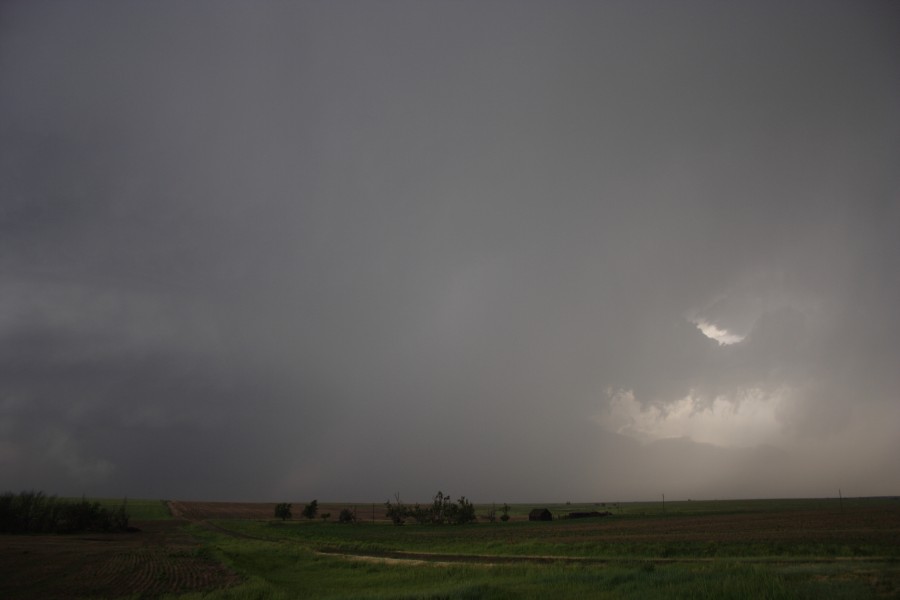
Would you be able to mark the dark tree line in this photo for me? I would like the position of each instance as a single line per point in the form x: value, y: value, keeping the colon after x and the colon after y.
x: 34, y: 512
x: 441, y: 510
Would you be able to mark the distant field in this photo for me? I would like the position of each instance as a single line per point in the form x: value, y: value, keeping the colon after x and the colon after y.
x: 868, y: 528
x: 368, y: 511
x: 818, y: 548
x: 731, y: 549
x: 139, y: 509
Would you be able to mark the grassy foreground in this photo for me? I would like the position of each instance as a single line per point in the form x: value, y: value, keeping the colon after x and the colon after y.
x: 755, y: 549
x: 728, y: 549
x: 296, y: 572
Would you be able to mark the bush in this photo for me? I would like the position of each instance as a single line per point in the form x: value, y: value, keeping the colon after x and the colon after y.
x: 442, y: 510
x: 283, y: 511
x: 310, y: 510
x: 491, y: 514
x: 397, y: 512
x: 464, y: 513
x: 119, y: 516
x: 420, y: 514
x: 347, y: 516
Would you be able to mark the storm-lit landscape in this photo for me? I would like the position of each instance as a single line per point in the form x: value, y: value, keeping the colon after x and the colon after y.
x: 632, y: 259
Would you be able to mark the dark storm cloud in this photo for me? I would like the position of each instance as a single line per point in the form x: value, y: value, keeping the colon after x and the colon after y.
x: 344, y: 249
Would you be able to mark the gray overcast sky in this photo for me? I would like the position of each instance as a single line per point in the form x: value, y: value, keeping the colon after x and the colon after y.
x: 512, y: 250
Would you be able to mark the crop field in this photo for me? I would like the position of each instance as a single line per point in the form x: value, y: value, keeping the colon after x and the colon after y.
x: 141, y: 510
x: 716, y: 549
x: 161, y: 558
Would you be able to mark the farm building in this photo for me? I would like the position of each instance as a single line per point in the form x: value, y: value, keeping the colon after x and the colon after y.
x: 540, y: 514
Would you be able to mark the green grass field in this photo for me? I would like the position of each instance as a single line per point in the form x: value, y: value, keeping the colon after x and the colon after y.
x: 818, y: 548
x: 144, y: 510
x: 727, y: 549
x: 138, y: 509
x: 295, y: 572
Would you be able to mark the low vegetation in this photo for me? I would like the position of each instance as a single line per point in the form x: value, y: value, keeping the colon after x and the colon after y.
x: 442, y: 510
x: 347, y: 516
x: 731, y: 549
x: 283, y: 511
x: 35, y: 512
x: 311, y: 510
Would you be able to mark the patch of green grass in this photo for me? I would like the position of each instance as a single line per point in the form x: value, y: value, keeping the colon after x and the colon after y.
x: 286, y: 570
x: 138, y: 509
x: 655, y: 556
x: 563, y: 539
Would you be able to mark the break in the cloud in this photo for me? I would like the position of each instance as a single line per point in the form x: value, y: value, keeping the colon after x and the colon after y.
x: 511, y: 250
x: 723, y: 336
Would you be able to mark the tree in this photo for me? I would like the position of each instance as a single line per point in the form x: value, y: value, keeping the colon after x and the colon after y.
x: 421, y: 514
x: 310, y: 510
x: 283, y: 511
x: 491, y: 515
x: 119, y: 517
x: 505, y: 516
x: 464, y: 513
x: 442, y: 508
x: 347, y: 516
x: 34, y: 512
x: 396, y: 511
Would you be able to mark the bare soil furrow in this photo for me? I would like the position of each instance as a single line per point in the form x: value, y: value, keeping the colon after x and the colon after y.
x: 160, y: 559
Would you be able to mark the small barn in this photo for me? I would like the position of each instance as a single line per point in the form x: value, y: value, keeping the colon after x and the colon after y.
x: 540, y: 514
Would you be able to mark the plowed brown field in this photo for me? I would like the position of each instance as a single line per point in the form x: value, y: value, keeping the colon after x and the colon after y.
x: 161, y: 558
x: 876, y: 525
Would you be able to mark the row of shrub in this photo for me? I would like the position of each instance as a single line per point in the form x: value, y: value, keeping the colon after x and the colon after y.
x: 441, y: 510
x: 35, y: 512
x: 283, y: 512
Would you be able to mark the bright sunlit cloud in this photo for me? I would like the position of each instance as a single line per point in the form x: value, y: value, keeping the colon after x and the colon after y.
x: 414, y: 223
x: 745, y: 419
x: 723, y: 336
